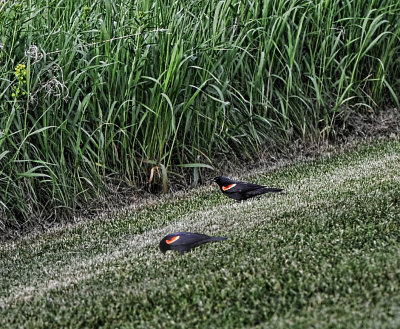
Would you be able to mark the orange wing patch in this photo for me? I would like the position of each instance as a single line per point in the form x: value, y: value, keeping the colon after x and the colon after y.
x: 226, y: 188
x: 173, y: 239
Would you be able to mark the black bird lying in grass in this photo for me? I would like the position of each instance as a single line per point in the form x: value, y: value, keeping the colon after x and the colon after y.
x: 241, y: 190
x: 184, y: 241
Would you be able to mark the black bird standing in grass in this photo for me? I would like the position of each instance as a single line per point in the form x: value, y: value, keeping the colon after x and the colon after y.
x: 184, y: 241
x: 241, y: 190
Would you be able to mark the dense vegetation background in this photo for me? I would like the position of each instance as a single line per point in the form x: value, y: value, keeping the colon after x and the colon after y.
x: 94, y: 93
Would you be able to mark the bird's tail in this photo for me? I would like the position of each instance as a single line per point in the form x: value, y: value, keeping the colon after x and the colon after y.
x: 218, y: 238
x: 272, y: 189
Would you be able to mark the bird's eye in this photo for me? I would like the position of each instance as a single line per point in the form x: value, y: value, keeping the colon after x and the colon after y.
x: 173, y: 239
x: 225, y: 188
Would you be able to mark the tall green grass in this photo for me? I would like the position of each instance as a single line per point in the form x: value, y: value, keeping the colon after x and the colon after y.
x: 117, y: 90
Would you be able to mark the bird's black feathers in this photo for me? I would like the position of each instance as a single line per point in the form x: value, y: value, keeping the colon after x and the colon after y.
x: 239, y: 190
x: 184, y: 241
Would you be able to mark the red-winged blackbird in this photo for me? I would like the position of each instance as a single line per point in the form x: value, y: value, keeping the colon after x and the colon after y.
x: 184, y: 241
x: 241, y: 190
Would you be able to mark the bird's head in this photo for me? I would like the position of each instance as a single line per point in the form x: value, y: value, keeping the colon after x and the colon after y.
x: 163, y: 246
x: 221, y: 180
x: 165, y: 243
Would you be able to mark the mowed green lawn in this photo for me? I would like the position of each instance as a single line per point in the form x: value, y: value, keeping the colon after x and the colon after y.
x: 326, y: 254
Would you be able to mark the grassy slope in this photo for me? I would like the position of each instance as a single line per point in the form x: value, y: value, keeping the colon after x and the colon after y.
x: 326, y: 254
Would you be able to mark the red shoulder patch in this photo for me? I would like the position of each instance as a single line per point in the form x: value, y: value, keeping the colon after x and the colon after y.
x: 226, y: 188
x: 173, y: 239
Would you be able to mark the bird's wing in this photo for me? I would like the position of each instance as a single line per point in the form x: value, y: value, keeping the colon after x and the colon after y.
x: 243, y: 187
x: 189, y: 238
